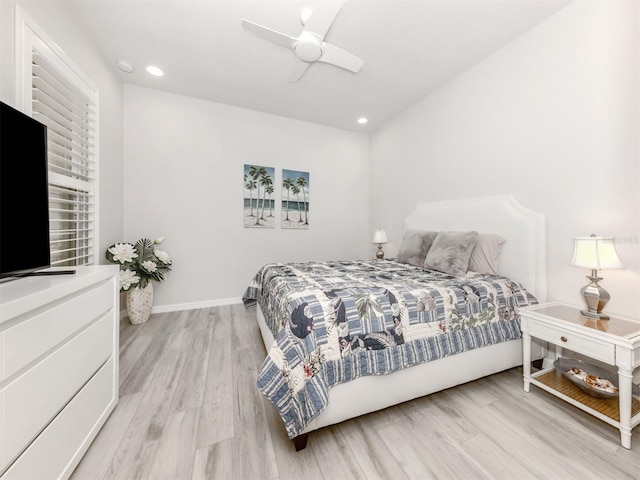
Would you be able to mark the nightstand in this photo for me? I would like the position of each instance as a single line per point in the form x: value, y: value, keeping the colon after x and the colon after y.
x: 614, y: 342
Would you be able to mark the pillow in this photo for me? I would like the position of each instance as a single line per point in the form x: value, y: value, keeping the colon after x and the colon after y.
x: 485, y: 257
x: 414, y: 247
x: 450, y: 252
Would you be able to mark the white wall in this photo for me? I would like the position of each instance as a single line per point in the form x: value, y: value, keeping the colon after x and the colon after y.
x: 552, y: 118
x: 65, y: 32
x: 184, y: 160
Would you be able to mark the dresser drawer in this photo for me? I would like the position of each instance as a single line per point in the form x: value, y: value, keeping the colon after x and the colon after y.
x: 48, y: 456
x: 25, y: 341
x: 586, y: 345
x: 36, y: 396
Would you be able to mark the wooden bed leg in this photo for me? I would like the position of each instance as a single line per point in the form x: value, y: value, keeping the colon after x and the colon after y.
x: 300, y: 442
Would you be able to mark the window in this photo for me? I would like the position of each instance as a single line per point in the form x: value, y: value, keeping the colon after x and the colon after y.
x: 56, y: 93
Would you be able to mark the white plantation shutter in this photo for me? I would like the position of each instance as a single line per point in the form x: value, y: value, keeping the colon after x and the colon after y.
x: 60, y: 97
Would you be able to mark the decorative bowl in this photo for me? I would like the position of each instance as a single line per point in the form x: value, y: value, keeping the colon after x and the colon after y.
x: 593, y: 380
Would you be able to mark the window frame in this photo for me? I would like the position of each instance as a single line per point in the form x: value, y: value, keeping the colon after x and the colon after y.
x: 29, y: 36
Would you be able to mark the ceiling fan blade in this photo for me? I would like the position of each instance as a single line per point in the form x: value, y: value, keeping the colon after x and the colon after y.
x: 323, y: 16
x: 298, y: 69
x: 338, y: 57
x: 268, y: 34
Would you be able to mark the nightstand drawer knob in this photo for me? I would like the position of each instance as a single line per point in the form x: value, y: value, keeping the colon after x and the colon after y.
x: 564, y: 339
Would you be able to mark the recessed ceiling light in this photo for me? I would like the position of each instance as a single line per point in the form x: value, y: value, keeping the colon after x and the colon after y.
x: 124, y: 66
x: 155, y: 71
x: 363, y: 120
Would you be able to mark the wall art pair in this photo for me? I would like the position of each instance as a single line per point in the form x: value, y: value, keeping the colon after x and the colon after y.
x: 261, y: 198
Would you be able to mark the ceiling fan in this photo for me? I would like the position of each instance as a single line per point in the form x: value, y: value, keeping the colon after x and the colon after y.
x: 309, y: 46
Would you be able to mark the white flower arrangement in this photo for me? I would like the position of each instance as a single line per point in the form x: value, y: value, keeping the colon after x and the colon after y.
x: 139, y: 263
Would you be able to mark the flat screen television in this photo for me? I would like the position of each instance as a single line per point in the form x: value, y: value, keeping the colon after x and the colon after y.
x: 24, y: 202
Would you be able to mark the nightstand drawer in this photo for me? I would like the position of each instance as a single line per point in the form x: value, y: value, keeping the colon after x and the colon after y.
x: 592, y: 347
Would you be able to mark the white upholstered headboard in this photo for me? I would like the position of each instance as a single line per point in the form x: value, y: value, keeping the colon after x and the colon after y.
x: 524, y: 255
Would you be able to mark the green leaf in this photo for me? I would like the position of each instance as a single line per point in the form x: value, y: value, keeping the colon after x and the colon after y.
x: 368, y: 307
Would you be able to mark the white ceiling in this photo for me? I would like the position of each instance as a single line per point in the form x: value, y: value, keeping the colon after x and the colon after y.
x: 409, y: 48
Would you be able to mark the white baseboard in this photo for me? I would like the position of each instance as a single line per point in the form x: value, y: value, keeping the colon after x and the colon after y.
x: 195, y: 305
x: 182, y: 306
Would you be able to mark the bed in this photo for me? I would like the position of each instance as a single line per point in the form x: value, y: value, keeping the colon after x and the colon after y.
x: 385, y: 332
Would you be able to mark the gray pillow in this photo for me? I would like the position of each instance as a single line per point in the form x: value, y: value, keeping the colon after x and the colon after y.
x: 414, y: 247
x: 485, y: 257
x: 450, y: 252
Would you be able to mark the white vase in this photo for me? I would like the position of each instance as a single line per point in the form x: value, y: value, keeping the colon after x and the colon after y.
x: 140, y: 303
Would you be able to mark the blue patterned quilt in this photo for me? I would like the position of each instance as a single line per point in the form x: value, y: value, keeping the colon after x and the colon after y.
x: 337, y: 321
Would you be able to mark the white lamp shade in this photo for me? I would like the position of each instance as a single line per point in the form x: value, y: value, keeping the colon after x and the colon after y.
x: 380, y: 236
x: 595, y: 253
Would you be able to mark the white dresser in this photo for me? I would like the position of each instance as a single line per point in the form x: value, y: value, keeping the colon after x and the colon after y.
x: 58, y: 369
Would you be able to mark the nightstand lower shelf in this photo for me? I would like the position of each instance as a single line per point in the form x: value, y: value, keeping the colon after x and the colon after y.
x: 607, y: 409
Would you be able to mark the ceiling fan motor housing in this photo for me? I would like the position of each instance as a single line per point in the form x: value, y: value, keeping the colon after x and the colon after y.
x: 308, y: 48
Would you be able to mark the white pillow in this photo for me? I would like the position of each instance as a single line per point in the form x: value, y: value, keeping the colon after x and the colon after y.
x: 485, y: 257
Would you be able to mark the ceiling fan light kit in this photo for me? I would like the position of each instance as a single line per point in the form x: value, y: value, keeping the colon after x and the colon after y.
x: 309, y: 46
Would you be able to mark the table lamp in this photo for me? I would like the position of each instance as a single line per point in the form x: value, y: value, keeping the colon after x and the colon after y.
x: 380, y: 237
x: 595, y: 253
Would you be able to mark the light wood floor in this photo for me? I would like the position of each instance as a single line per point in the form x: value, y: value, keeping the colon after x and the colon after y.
x: 189, y: 408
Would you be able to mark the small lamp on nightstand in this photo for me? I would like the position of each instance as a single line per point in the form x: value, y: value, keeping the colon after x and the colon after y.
x: 595, y: 253
x: 380, y: 237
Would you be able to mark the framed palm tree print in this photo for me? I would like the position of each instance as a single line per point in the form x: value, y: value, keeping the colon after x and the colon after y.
x: 295, y: 199
x: 258, y: 196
